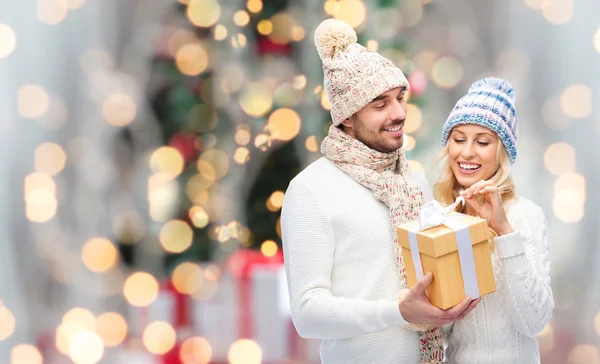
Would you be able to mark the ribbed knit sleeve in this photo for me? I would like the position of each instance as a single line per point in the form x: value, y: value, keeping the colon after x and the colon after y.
x: 309, y: 248
x: 526, y: 257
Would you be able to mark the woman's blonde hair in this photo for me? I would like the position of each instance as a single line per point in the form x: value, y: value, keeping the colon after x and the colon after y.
x: 447, y: 188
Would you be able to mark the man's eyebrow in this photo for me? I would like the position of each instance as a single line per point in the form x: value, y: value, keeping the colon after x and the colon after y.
x: 380, y: 97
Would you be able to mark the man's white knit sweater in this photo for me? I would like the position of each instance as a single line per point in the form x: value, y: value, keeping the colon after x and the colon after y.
x: 502, y: 328
x: 338, y: 245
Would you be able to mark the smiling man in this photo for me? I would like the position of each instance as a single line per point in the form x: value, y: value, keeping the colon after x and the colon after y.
x: 345, y: 273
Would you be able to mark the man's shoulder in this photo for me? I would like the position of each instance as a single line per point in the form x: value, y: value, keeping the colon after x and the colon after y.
x: 321, y: 172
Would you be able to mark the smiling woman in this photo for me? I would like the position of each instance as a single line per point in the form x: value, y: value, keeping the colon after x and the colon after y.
x: 480, y: 143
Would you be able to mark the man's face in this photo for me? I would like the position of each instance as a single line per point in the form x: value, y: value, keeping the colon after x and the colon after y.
x: 380, y: 124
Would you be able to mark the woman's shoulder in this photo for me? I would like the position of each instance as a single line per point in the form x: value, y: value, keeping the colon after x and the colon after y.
x: 522, y: 208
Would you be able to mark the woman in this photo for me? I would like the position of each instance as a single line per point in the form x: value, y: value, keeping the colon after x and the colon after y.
x: 480, y: 144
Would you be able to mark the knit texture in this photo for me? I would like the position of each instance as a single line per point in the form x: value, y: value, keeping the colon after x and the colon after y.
x: 502, y: 328
x: 353, y: 75
x: 385, y: 174
x: 338, y: 246
x: 490, y: 102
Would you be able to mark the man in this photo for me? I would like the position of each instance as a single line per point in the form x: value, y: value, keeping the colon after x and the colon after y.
x: 342, y: 262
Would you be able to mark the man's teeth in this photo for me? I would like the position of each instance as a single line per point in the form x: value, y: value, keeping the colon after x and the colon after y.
x: 469, y: 166
x: 394, y: 129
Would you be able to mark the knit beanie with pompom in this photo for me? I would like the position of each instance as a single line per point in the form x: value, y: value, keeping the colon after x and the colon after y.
x: 354, y: 75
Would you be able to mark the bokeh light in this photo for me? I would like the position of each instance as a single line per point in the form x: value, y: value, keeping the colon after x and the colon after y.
x: 571, y: 181
x: 198, y: 216
x: 311, y: 144
x: 558, y: 12
x: 119, y: 109
x: 25, y: 354
x: 196, y: 350
x: 284, y: 124
x: 560, y: 158
x: 159, y: 337
x: 176, y: 236
x: 7, y: 323
x: 33, y: 101
x: 86, y: 347
x: 241, y: 155
x: 81, y: 316
x: 576, y: 101
x: 192, y: 59
x: 168, y: 161
x: 241, y: 18
x: 51, y: 12
x: 50, y: 158
x: 213, y: 164
x: 254, y: 6
x: 112, y: 328
x: 99, y: 254
x: 220, y: 32
x: 256, y: 100
x: 283, y: 25
x: 584, y: 354
x: 140, y: 289
x: 203, y: 13
x: 447, y: 72
x: 545, y: 339
x: 409, y: 142
x: 568, y: 206
x: 187, y: 278
x: 8, y: 41
x: 269, y: 248
x: 352, y: 12
x: 245, y: 351
x: 414, y: 119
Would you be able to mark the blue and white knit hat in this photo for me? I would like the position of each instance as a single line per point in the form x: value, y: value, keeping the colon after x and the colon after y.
x: 490, y: 102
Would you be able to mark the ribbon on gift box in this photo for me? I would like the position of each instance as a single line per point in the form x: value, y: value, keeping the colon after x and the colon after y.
x: 432, y: 214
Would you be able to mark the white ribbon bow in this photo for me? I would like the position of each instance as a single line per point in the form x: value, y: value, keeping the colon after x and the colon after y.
x: 433, y: 214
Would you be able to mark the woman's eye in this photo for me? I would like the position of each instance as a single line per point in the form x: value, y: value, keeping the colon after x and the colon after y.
x: 483, y: 144
x: 459, y: 140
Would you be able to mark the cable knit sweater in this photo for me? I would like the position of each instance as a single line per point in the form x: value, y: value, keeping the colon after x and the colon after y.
x: 502, y: 328
x: 338, y: 245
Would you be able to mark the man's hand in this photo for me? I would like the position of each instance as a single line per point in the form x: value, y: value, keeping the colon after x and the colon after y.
x: 416, y: 308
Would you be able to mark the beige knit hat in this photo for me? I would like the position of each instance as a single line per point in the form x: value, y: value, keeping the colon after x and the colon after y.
x: 354, y: 75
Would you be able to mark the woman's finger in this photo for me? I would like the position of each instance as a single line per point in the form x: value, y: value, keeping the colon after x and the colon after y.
x: 474, y: 204
x: 481, y: 185
x: 492, y: 194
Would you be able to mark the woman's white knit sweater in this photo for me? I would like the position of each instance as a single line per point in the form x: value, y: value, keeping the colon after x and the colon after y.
x: 502, y: 328
x: 343, y: 281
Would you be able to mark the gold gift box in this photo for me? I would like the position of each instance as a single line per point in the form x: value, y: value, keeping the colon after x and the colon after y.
x: 438, y: 250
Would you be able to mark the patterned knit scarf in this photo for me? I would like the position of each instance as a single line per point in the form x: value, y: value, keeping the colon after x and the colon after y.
x: 384, y: 174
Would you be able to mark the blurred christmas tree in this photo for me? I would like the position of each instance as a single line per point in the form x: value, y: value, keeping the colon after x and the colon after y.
x: 238, y: 95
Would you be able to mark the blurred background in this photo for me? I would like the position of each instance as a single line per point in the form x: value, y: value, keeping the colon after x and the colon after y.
x: 146, y: 147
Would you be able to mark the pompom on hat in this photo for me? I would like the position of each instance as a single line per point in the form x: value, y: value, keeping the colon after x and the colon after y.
x: 490, y: 103
x: 354, y: 75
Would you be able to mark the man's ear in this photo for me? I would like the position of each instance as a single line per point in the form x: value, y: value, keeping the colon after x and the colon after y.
x: 347, y: 123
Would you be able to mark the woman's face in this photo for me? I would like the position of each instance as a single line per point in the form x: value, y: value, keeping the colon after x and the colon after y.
x: 472, y: 153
